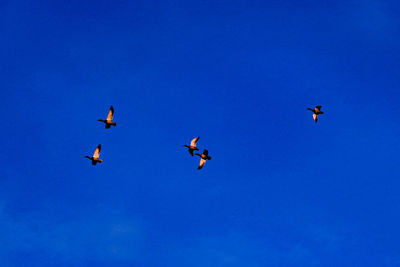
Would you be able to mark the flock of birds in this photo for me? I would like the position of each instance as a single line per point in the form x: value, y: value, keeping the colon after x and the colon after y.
x: 191, y: 148
x: 203, y: 156
x: 109, y: 122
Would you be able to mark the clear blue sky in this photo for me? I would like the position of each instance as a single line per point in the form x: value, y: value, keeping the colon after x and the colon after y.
x: 280, y: 189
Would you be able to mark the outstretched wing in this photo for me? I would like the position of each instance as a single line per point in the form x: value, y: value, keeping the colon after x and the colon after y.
x: 205, y: 152
x: 201, y: 165
x: 315, y: 116
x: 110, y: 114
x: 194, y: 141
x: 97, y: 152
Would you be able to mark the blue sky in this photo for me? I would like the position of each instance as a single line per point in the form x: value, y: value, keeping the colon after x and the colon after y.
x: 280, y: 190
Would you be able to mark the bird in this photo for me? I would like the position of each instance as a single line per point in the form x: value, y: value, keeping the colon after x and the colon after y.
x: 316, y: 111
x: 192, y: 146
x: 204, y: 157
x: 109, y: 120
x: 95, y: 159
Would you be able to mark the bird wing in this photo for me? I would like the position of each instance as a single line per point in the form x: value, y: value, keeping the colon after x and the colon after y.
x: 205, y: 152
x: 201, y: 165
x: 318, y: 108
x: 110, y: 114
x: 191, y: 151
x: 194, y: 141
x: 97, y: 152
x: 315, y: 116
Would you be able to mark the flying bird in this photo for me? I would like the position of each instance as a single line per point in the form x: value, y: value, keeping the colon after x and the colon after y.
x: 204, y: 157
x: 109, y: 120
x: 316, y: 111
x: 192, y: 146
x: 95, y: 159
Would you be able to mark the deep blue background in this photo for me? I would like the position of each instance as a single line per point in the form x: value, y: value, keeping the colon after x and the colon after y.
x: 280, y: 189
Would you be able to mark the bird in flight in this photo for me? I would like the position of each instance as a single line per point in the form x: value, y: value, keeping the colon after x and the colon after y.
x: 109, y: 120
x: 95, y: 159
x: 316, y: 111
x: 192, y: 146
x: 204, y: 157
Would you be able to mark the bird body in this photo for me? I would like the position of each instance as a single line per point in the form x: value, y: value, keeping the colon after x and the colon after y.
x: 316, y: 111
x: 204, y: 157
x: 192, y: 147
x: 109, y: 121
x: 95, y: 158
